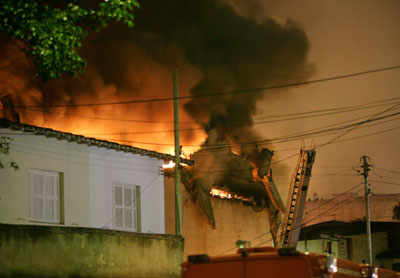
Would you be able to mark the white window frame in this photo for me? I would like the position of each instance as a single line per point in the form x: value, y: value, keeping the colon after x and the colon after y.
x: 44, y: 197
x: 121, y: 209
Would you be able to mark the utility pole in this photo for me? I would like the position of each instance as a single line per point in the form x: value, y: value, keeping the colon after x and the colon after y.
x: 178, y: 211
x: 365, y: 167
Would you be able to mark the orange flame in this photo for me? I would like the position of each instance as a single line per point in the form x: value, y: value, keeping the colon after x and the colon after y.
x: 224, y: 194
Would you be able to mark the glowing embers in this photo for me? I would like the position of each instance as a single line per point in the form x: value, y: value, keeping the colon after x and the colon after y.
x: 222, y: 194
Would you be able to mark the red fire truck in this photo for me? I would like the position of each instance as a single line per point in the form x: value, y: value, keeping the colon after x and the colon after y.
x: 278, y: 263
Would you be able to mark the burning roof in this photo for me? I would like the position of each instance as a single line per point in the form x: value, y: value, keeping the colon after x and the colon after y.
x: 48, y: 132
x: 246, y: 177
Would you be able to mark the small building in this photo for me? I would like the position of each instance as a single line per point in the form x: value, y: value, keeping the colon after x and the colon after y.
x: 80, y: 188
x: 338, y: 226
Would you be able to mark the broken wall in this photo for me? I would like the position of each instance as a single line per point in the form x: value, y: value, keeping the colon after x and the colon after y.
x: 233, y: 220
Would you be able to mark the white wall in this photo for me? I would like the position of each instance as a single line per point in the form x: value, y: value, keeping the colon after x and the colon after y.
x: 108, y: 166
x: 88, y: 176
x: 39, y: 152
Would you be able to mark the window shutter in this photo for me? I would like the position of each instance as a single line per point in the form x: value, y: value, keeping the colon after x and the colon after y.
x: 37, y: 208
x: 36, y: 190
x: 118, y: 217
x: 44, y: 196
x: 127, y: 197
x: 118, y: 195
x: 128, y: 219
x: 117, y: 210
x: 51, y: 197
x: 124, y: 206
x: 137, y: 214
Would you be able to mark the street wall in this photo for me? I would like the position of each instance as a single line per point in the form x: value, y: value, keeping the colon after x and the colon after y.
x: 54, y: 251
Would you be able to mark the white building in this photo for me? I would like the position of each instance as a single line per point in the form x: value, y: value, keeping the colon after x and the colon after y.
x: 72, y: 180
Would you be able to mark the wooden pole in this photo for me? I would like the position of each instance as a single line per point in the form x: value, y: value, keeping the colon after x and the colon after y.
x: 178, y: 211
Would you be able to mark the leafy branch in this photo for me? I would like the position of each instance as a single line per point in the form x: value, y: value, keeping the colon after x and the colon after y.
x: 52, y: 32
x: 5, y: 149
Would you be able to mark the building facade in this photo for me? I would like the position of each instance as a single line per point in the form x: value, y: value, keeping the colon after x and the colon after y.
x: 71, y: 180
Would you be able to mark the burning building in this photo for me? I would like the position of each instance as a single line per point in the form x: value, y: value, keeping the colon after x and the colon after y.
x: 220, y: 55
x: 247, y: 177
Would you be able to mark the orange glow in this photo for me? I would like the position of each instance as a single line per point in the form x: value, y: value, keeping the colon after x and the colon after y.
x: 171, y: 164
x: 148, y: 125
x: 223, y: 194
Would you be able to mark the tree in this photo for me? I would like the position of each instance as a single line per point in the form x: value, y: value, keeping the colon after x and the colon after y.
x: 396, y: 212
x: 51, y: 32
x: 4, y: 149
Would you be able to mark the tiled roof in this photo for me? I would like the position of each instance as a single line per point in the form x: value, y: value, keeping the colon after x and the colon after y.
x: 80, y: 139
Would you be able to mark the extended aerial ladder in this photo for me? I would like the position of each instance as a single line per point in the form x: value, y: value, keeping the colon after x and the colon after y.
x: 296, y: 198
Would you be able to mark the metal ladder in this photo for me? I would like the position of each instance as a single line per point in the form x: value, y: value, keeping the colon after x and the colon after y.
x: 296, y: 198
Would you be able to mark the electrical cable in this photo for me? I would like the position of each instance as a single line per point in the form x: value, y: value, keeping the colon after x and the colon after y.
x: 286, y: 117
x: 385, y: 182
x: 216, y: 94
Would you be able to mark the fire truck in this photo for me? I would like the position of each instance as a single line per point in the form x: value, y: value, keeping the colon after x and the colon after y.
x: 269, y: 262
x: 285, y: 261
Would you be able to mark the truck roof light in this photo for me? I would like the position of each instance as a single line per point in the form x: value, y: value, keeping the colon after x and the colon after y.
x: 331, y: 264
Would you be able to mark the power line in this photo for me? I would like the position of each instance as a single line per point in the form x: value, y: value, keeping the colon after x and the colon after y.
x: 292, y: 116
x: 387, y: 170
x: 297, y: 136
x: 288, y: 157
x: 385, y: 182
x: 234, y: 124
x: 229, y: 146
x: 359, y: 124
x: 215, y: 94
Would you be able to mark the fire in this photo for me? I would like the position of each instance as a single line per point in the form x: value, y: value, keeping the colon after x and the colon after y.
x: 223, y: 194
x: 171, y: 164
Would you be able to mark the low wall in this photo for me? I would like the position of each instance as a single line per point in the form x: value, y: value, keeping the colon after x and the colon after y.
x: 49, y: 251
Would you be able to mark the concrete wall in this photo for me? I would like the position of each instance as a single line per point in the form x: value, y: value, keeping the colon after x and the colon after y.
x: 234, y: 221
x: 347, y: 207
x: 88, y: 174
x: 45, y: 251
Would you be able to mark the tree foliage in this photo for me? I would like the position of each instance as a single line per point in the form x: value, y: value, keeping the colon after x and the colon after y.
x: 4, y: 150
x: 396, y: 212
x: 52, y: 31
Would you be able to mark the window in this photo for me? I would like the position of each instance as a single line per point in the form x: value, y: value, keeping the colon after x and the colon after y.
x: 126, y: 207
x: 44, y: 196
